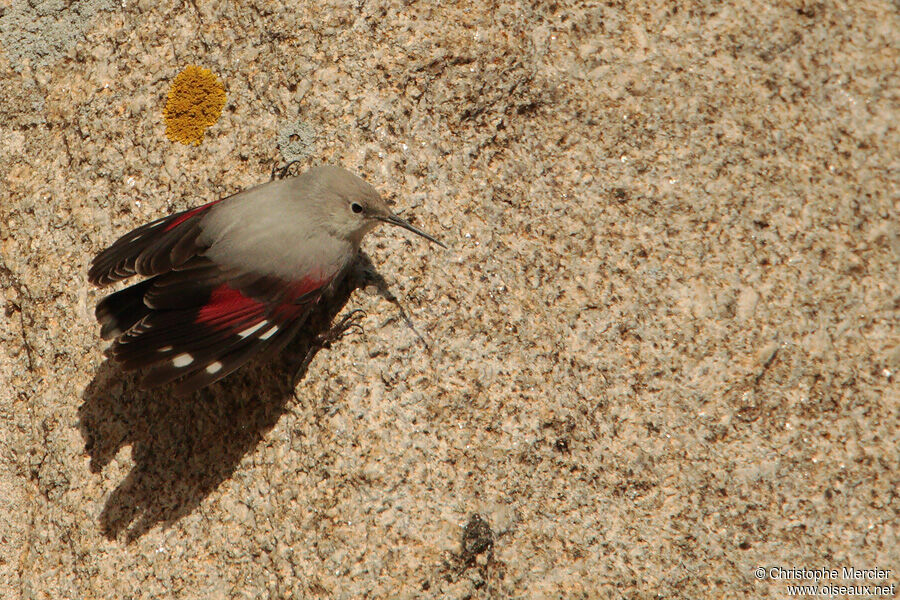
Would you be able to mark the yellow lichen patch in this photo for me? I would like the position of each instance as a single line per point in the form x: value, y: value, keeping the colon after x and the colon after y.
x: 195, y: 102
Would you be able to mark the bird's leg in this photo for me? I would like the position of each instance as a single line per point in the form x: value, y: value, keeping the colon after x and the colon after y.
x: 324, y: 340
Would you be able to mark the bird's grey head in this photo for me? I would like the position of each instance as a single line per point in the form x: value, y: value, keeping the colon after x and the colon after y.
x: 352, y: 206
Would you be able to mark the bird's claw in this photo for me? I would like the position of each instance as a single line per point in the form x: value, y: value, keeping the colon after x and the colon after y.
x: 349, y: 321
x: 324, y: 340
x: 280, y: 172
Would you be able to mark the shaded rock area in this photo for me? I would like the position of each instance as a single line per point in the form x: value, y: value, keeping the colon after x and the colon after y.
x: 661, y: 352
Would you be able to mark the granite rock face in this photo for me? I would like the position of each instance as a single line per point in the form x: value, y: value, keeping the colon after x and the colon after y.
x: 661, y: 352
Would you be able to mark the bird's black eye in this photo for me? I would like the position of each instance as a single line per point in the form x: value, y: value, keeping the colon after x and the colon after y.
x: 357, y: 208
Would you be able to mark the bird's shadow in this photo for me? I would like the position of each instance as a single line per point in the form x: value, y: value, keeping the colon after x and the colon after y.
x: 184, y: 447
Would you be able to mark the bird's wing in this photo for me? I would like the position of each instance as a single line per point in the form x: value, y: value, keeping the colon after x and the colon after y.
x: 203, y: 321
x: 154, y: 248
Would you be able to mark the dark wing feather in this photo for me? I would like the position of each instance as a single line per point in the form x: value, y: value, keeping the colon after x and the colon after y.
x: 237, y: 357
x: 202, y: 322
x: 119, y: 312
x: 154, y: 248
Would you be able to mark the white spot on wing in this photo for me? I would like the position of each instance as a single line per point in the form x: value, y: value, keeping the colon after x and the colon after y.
x: 253, y: 329
x: 165, y: 349
x: 182, y: 360
x: 214, y: 368
x: 269, y: 333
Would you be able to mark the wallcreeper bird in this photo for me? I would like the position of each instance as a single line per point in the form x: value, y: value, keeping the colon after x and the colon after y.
x: 234, y: 278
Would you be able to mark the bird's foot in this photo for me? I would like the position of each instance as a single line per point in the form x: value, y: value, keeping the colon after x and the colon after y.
x: 324, y: 340
x: 280, y: 172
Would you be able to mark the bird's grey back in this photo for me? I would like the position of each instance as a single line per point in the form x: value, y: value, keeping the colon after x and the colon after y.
x: 282, y: 227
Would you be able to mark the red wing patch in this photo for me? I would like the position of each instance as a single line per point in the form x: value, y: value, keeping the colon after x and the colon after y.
x: 227, y: 305
x: 200, y: 326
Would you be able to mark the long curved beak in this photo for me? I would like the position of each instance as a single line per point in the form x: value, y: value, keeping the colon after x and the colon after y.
x: 395, y: 220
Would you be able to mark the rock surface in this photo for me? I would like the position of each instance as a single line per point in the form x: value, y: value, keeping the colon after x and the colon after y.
x: 662, y: 350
